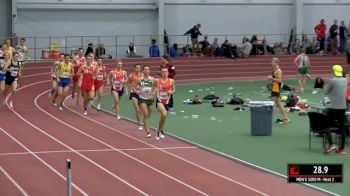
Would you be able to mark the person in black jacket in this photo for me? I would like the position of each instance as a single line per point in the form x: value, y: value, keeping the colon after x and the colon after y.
x: 194, y: 31
x: 89, y: 49
x: 333, y: 32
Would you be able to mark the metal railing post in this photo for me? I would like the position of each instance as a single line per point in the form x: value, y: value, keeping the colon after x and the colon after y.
x: 116, y: 46
x: 35, y: 49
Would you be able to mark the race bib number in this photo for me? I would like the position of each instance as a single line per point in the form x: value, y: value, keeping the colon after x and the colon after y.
x: 117, y: 85
x: 66, y: 74
x: 14, y: 73
x: 163, y: 95
x: 99, y: 77
x: 146, y: 91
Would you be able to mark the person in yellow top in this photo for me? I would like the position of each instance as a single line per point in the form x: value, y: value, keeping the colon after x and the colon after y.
x: 65, y: 72
x: 276, y: 80
x: 9, y: 49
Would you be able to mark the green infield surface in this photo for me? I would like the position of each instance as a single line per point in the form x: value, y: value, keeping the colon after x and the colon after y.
x: 228, y: 132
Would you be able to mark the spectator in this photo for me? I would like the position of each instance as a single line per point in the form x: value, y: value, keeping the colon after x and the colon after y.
x: 348, y: 29
x: 335, y: 89
x: 320, y: 31
x: 246, y: 47
x: 89, y: 49
x: 154, y: 49
x: 131, y: 50
x: 194, y: 31
x: 333, y: 32
x: 278, y: 48
x: 100, y: 51
x: 205, y: 45
x: 348, y: 49
x: 215, y: 48
x: 342, y: 36
x: 173, y: 51
x: 226, y: 49
x: 257, y: 48
x: 2, y: 50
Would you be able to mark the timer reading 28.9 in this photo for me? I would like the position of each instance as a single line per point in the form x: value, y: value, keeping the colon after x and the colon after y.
x: 320, y: 169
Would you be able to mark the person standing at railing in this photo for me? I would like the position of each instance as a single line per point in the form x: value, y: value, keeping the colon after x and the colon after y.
x: 333, y: 32
x: 348, y: 49
x: 194, y: 32
x: 131, y: 50
x: 342, y: 37
x: 154, y: 49
x: 23, y: 51
x: 320, y: 31
x: 100, y: 51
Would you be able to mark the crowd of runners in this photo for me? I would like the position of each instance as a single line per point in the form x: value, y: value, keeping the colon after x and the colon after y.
x: 88, y: 75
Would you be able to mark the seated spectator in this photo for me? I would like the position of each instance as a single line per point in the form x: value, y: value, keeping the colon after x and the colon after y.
x: 173, y: 51
x: 246, y: 47
x: 226, y: 49
x: 215, y: 48
x: 278, y: 48
x: 257, y: 48
x: 100, y: 51
x: 89, y: 49
x: 154, y: 49
x: 204, y: 45
x: 131, y: 50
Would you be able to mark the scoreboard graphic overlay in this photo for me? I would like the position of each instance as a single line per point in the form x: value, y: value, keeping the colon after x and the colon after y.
x: 315, y: 173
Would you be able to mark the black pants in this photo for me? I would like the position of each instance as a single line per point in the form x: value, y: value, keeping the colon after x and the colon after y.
x: 337, y: 118
x: 321, y: 40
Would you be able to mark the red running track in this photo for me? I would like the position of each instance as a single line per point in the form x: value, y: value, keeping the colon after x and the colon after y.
x: 111, y: 157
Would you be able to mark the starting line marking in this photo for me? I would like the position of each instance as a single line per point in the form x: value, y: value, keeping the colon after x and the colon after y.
x: 94, y: 150
x: 13, y: 181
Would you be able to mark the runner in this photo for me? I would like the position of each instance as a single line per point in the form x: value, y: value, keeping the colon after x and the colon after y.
x: 166, y: 87
x: 5, y: 62
x: 88, y: 72
x: 99, y: 84
x: 146, y: 89
x: 117, y: 78
x: 78, y: 61
x: 171, y: 74
x: 9, y: 49
x: 276, y: 79
x: 23, y: 51
x: 65, y: 72
x: 134, y: 79
x: 13, y: 72
x: 303, y: 63
x: 54, y: 73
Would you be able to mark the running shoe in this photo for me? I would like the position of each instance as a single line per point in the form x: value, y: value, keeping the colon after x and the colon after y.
x: 118, y: 117
x: 11, y: 104
x: 285, y: 121
x: 98, y: 107
x: 148, y: 135
x: 140, y: 128
x: 330, y: 148
x: 161, y: 134
x: 341, y: 152
x: 85, y: 113
x: 60, y: 108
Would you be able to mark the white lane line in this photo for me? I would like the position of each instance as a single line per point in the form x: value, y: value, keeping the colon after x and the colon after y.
x: 33, y: 75
x: 100, y: 141
x: 81, y: 155
x: 41, y: 160
x: 94, y: 150
x: 13, y: 181
x: 171, y: 154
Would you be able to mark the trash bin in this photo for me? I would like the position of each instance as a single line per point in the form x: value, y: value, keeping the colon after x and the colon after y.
x: 261, y: 120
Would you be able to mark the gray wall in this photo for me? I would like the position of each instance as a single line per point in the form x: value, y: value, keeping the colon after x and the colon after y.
x: 5, y: 19
x: 140, y: 17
